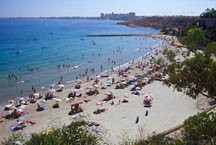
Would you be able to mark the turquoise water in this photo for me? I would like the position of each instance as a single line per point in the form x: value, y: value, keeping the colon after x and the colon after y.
x: 31, y: 50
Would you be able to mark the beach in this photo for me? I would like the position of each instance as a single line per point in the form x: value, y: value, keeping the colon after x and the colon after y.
x: 119, y: 119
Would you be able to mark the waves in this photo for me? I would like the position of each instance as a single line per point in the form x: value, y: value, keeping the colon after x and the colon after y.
x: 67, y: 47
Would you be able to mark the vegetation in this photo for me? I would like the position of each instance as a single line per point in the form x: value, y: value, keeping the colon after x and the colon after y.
x: 194, y: 39
x: 170, y: 54
x: 210, y: 50
x: 77, y: 133
x: 209, y: 13
x: 195, y: 75
x: 200, y: 129
x: 174, y: 22
x: 211, y: 34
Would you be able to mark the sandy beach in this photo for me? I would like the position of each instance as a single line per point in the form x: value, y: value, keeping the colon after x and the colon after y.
x: 169, y: 107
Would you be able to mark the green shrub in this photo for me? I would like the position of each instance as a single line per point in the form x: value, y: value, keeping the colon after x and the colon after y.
x: 77, y: 133
x: 200, y: 129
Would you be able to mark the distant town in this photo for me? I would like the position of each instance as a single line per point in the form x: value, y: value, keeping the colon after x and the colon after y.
x: 103, y: 16
x: 113, y: 16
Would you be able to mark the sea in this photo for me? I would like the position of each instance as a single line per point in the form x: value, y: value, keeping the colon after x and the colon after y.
x: 39, y: 53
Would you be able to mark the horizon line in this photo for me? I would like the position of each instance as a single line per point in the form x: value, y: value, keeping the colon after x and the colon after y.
x: 93, y: 17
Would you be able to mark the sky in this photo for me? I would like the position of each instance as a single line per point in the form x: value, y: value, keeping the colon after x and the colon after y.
x: 89, y: 8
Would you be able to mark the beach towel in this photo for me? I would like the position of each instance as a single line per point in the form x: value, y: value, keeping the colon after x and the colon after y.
x: 82, y: 115
x: 95, y: 130
x: 93, y: 124
x: 45, y: 108
x: 43, y: 101
x: 16, y: 127
x: 212, y: 102
x: 26, y: 113
x: 100, y: 103
x: 75, y: 117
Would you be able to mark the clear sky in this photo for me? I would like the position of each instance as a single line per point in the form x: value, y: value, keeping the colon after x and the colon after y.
x: 46, y: 8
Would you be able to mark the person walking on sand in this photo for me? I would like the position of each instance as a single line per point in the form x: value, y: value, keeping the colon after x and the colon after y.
x: 113, y: 80
x: 146, y: 114
x: 137, y: 119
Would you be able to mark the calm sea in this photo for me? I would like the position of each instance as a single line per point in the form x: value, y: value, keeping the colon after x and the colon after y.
x: 41, y: 52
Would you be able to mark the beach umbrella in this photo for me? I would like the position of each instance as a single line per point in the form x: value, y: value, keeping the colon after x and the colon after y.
x: 138, y: 88
x: 108, y: 93
x: 123, y: 83
x: 90, y: 87
x: 57, y: 99
x: 74, y: 90
x: 37, y: 95
x: 148, y: 96
x: 8, y: 106
x: 96, y: 86
x: 42, y: 88
x: 23, y: 102
x: 99, y: 103
x: 52, y: 90
x: 52, y: 85
x: 126, y: 96
x: 61, y: 86
x: 20, y: 110
x: 11, y: 101
x: 22, y: 99
x: 132, y: 77
x: 77, y: 103
x: 79, y: 80
x: 20, y: 119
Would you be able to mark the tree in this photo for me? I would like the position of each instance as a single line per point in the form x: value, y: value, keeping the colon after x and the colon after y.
x: 170, y: 54
x: 200, y: 129
x: 209, y: 13
x: 195, y: 39
x: 210, y: 49
x: 195, y: 76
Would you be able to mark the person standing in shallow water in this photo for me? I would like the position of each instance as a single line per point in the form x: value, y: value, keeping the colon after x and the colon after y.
x: 101, y: 67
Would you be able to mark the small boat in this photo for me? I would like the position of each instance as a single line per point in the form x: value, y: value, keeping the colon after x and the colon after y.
x: 43, y: 46
x: 18, y: 51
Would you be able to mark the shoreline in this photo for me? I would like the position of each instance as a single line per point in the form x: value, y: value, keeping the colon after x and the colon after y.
x: 69, y: 83
x: 51, y: 118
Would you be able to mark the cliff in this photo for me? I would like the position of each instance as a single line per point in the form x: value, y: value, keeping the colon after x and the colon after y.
x: 161, y: 21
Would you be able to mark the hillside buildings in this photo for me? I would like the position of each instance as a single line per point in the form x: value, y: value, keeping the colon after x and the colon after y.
x: 113, y: 16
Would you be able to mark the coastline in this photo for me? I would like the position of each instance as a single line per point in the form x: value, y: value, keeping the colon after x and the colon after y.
x: 83, y: 53
x: 51, y: 118
x: 70, y: 83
